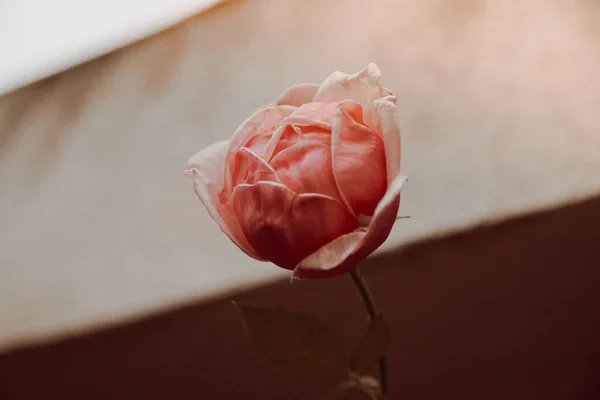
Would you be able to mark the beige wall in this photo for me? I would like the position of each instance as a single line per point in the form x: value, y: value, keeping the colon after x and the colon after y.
x: 498, y: 102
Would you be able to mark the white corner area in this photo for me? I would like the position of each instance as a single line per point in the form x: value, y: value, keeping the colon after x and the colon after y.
x: 39, y: 38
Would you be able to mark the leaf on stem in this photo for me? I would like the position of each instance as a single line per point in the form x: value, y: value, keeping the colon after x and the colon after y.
x: 373, y: 344
x: 340, y: 391
x: 367, y: 385
x: 295, y: 341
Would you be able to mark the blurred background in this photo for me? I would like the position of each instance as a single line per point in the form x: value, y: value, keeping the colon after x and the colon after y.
x: 115, y: 282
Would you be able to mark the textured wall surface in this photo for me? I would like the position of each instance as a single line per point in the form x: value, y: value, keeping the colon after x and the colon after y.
x: 498, y: 102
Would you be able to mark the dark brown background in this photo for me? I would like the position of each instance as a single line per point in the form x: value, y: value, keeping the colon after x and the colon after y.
x: 508, y: 311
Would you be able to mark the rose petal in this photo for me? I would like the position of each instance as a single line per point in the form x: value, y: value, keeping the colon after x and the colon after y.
x: 208, y: 164
x: 298, y: 94
x: 385, y: 109
x: 306, y: 168
x: 206, y: 168
x: 255, y: 133
x: 309, y: 122
x: 359, y: 161
x: 250, y: 168
x: 314, y: 134
x: 332, y: 258
x: 341, y: 86
x: 344, y: 253
x: 317, y: 114
x: 284, y: 137
x: 264, y: 121
x: 285, y: 227
x: 362, y: 87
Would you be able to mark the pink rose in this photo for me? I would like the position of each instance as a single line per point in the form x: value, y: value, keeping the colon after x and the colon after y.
x: 310, y: 183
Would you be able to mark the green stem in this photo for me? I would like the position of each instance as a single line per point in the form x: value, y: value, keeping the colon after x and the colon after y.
x: 369, y: 303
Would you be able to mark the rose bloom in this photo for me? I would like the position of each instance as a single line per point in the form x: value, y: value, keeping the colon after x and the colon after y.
x: 311, y: 182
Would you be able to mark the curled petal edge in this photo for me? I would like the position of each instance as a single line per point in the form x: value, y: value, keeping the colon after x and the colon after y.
x: 338, y: 82
x: 385, y: 108
x: 298, y: 94
x: 206, y: 168
x: 346, y: 251
x: 222, y: 213
x: 362, y: 87
x: 302, y: 120
x: 262, y: 170
x: 340, y: 112
x: 264, y: 118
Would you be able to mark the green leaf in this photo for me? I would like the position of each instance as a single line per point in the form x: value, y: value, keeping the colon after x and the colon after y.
x: 297, y: 342
x: 373, y: 344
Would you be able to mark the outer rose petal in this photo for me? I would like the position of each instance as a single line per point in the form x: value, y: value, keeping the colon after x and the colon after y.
x: 362, y: 87
x: 298, y: 95
x: 255, y: 133
x: 359, y: 161
x: 285, y: 227
x: 345, y: 252
x: 390, y: 130
x: 206, y: 167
